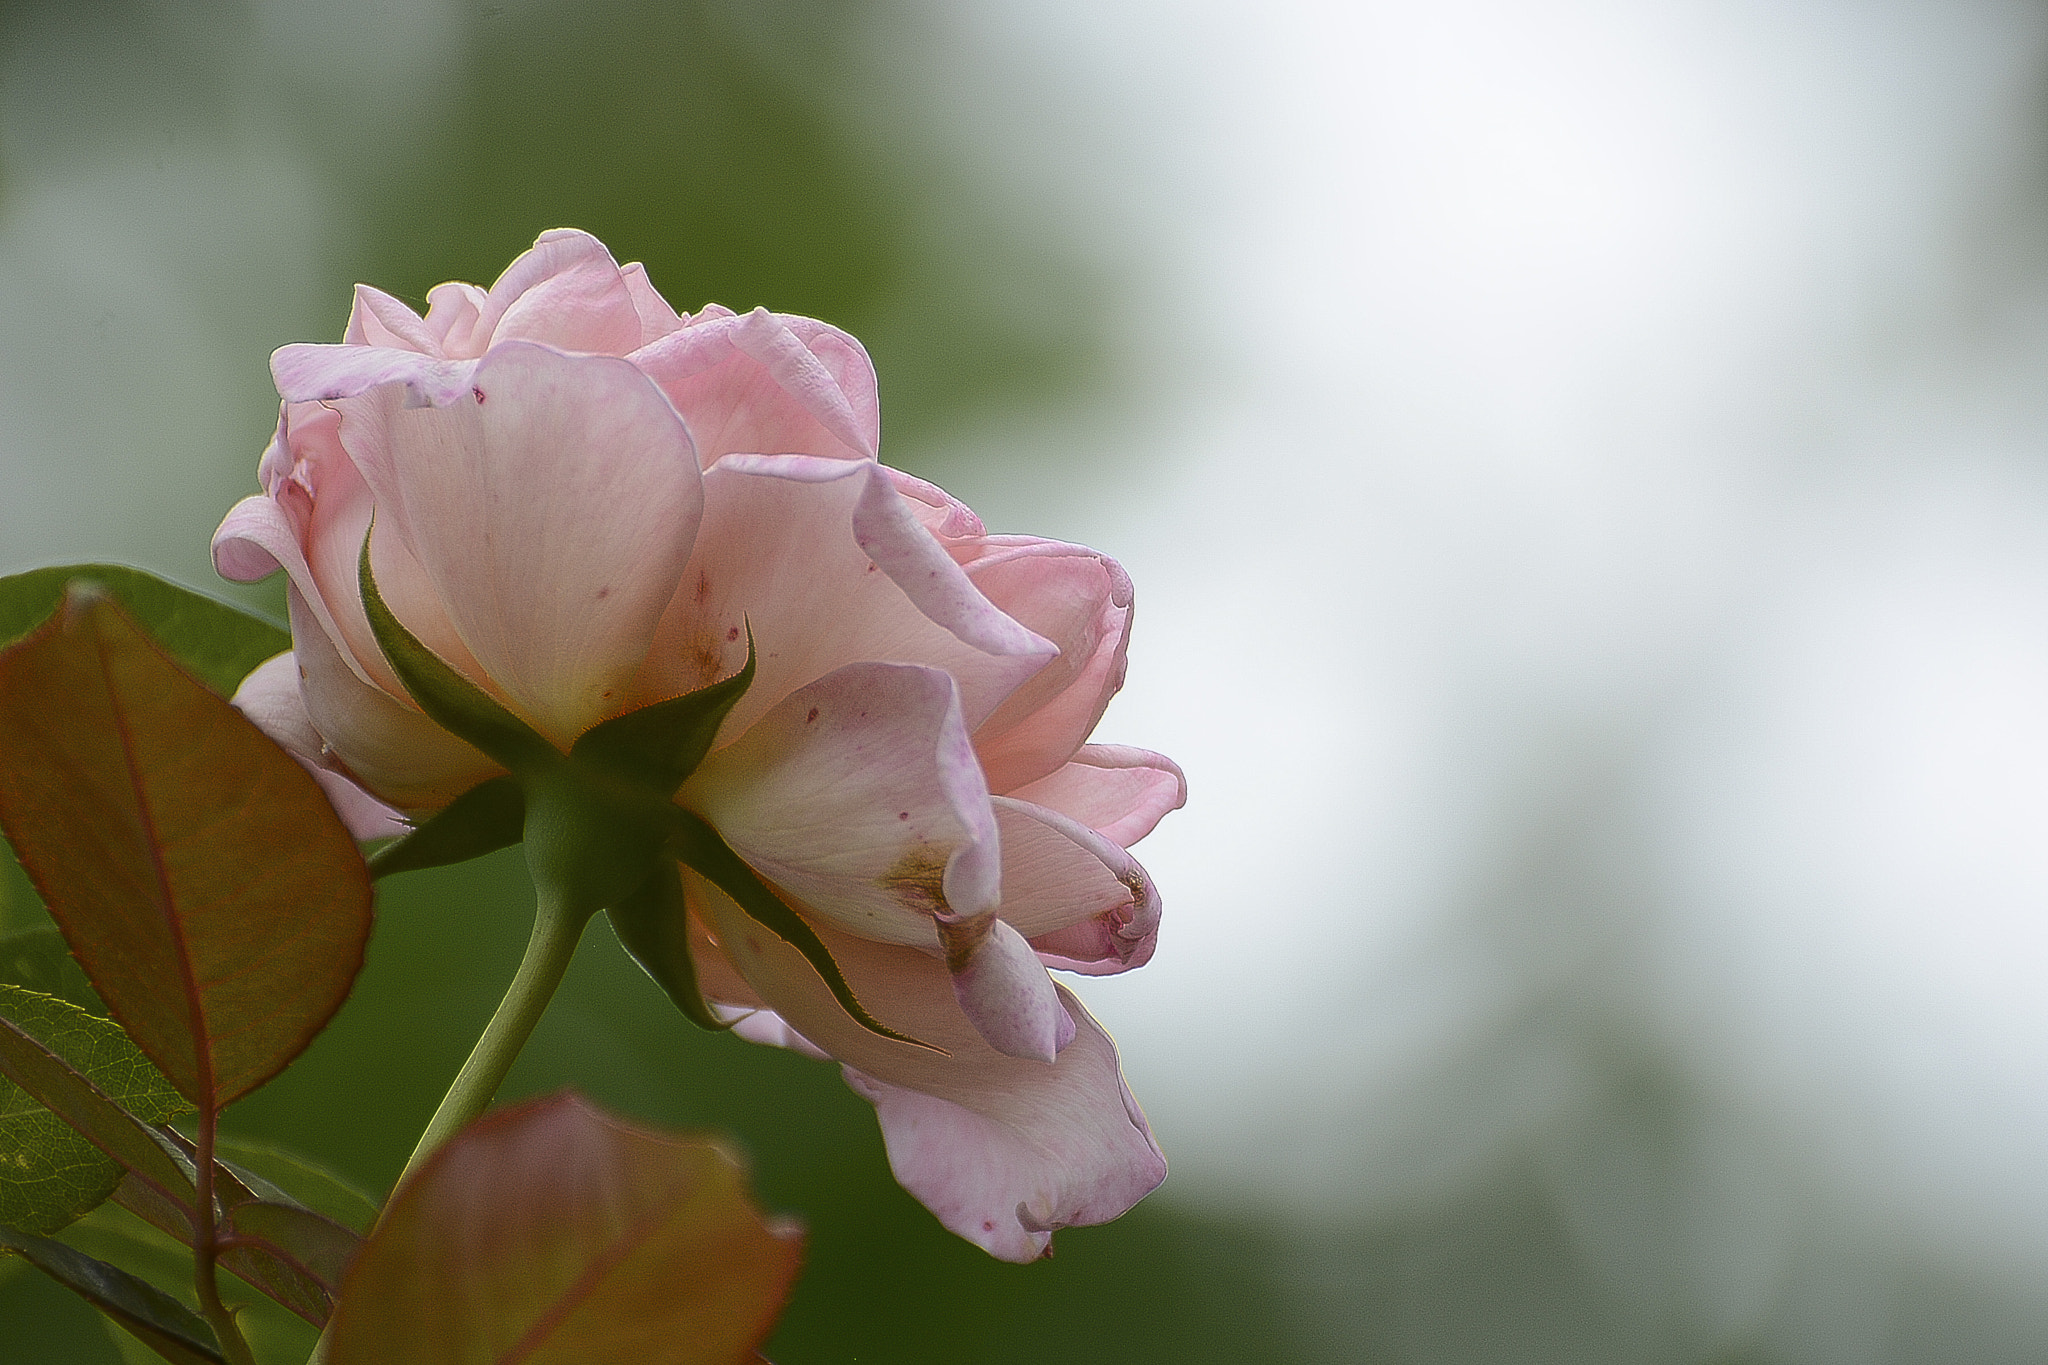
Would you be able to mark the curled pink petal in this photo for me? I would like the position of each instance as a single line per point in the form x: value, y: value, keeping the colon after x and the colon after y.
x: 380, y: 320
x: 1079, y: 599
x: 455, y: 315
x: 657, y: 319
x: 1003, y: 989
x: 1004, y: 1150
x: 776, y: 556
x: 270, y: 698
x: 766, y: 383
x: 566, y: 291
x: 1119, y: 792
x: 306, y: 373
x: 1084, y: 902
x: 859, y: 795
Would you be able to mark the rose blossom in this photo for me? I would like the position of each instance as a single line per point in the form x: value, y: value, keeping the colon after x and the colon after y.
x: 583, y: 502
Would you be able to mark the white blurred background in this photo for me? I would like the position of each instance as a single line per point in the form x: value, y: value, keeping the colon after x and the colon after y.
x: 1585, y: 472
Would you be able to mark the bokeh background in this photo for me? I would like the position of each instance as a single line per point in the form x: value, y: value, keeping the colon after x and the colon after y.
x: 1585, y: 469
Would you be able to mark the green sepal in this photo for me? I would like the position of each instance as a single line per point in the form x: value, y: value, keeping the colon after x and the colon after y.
x: 484, y: 819
x: 700, y: 848
x: 653, y: 926
x: 455, y: 703
x: 151, y: 1316
x: 659, y: 746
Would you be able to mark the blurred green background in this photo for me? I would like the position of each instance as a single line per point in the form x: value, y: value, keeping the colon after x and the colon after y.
x: 1582, y: 469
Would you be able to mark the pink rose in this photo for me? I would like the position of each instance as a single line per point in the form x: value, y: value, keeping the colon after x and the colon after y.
x: 582, y: 502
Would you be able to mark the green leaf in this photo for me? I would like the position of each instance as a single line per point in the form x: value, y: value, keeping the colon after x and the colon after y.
x: 702, y: 850
x: 449, y: 699
x: 73, y: 1097
x: 484, y: 819
x: 219, y: 644
x: 548, y: 1231
x: 659, y: 746
x: 51, y: 1173
x: 653, y: 925
x: 292, y: 1254
x: 200, y: 876
x: 38, y: 960
x: 279, y: 1176
x: 153, y: 1317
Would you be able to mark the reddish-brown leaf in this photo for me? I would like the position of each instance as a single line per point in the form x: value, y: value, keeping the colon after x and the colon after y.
x: 200, y: 877
x: 551, y: 1234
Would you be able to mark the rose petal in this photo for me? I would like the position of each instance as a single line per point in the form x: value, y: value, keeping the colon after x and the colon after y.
x: 859, y: 795
x: 565, y: 291
x: 1003, y: 1150
x: 657, y: 319
x: 270, y: 698
x: 388, y: 745
x: 1081, y: 601
x: 767, y: 383
x: 777, y: 555
x: 455, y: 315
x: 309, y: 373
x: 1085, y: 903
x: 1119, y: 792
x: 556, y: 596
x: 377, y: 319
x: 1003, y: 990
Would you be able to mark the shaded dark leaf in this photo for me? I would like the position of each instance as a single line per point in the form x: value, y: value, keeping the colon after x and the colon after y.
x: 549, y: 1233
x: 217, y: 643
x: 199, y: 874
x: 153, y: 1317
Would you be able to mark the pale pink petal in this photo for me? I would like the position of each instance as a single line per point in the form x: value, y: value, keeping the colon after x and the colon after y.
x: 769, y: 1029
x: 565, y: 291
x: 258, y: 537
x: 332, y: 503
x: 777, y: 552
x: 1002, y: 1149
x: 556, y: 597
x: 952, y: 521
x: 1084, y: 902
x: 1081, y: 601
x: 455, y: 315
x: 270, y: 698
x: 377, y: 319
x: 308, y: 373
x: 859, y: 795
x: 387, y: 745
x: 1003, y: 990
x: 1119, y: 792
x: 770, y: 384
x: 657, y: 319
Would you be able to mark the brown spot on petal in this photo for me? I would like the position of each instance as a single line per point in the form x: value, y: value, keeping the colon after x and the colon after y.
x: 604, y: 592
x: 732, y: 633
x: 477, y: 394
x: 960, y: 937
x: 811, y: 717
x: 703, y: 593
x: 918, y: 881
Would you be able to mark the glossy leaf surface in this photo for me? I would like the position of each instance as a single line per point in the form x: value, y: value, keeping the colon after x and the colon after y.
x: 50, y: 1173
x: 153, y: 1317
x: 549, y: 1233
x: 200, y: 876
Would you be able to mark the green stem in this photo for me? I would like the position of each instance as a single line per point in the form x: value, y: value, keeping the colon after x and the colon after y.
x: 556, y: 930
